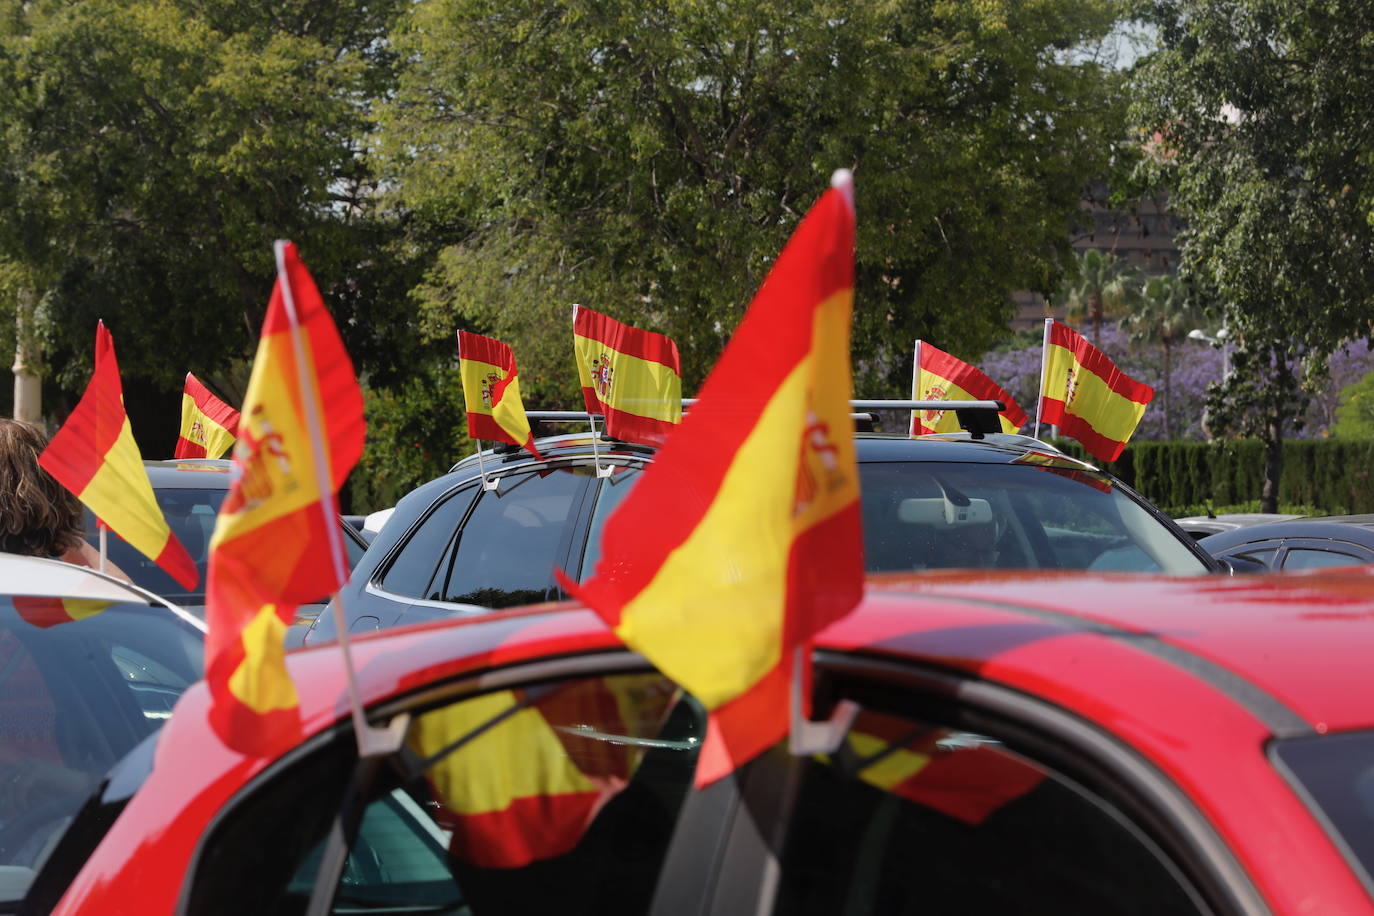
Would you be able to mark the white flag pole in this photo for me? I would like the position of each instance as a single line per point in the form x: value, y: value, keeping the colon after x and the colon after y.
x: 104, y: 539
x: 371, y: 741
x: 1044, y: 370
x: 916, y: 384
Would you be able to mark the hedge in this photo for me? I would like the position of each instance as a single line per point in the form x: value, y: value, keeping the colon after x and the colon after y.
x: 1183, y: 478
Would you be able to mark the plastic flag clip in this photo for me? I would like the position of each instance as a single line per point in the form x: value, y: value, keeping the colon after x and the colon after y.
x: 488, y: 483
x: 806, y: 737
x: 602, y: 470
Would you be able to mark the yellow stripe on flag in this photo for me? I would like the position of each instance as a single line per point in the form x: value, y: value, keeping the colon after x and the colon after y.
x: 121, y: 495
x: 643, y: 387
x: 260, y: 682
x: 934, y: 388
x: 197, y: 427
x: 1089, y: 397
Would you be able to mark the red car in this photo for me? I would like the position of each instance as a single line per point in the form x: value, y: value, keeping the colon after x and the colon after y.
x: 1054, y: 743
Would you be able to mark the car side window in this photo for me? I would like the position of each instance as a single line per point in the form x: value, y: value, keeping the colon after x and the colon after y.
x: 1264, y: 555
x: 419, y: 555
x: 558, y: 797
x: 1309, y: 558
x: 609, y: 496
x: 515, y: 535
x: 910, y: 816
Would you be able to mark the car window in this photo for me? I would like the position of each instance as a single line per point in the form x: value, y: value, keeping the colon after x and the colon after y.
x: 557, y: 798
x: 81, y: 683
x: 508, y: 546
x: 1264, y: 556
x: 1336, y: 775
x: 190, y: 513
x: 609, y: 496
x: 910, y: 816
x: 1311, y: 558
x: 936, y: 515
x: 413, y: 566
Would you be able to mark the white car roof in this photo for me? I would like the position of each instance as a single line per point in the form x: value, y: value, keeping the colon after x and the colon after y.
x: 21, y: 575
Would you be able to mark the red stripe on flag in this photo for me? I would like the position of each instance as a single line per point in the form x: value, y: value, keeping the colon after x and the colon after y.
x: 226, y: 416
x: 1103, y: 448
x: 239, y: 727
x: 1099, y: 364
x: 623, y: 338
x: 41, y: 612
x: 532, y: 828
x: 483, y: 426
x: 188, y: 449
x: 178, y: 563
x: 484, y: 350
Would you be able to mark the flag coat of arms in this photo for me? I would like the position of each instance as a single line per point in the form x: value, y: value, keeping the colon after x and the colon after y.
x: 95, y: 456
x: 937, y: 376
x: 631, y: 377
x: 743, y: 539
x: 277, y: 543
x: 1087, y: 396
x: 208, y: 425
x: 491, y: 392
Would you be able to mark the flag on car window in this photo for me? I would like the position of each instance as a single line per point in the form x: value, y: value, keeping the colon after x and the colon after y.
x: 208, y: 425
x: 631, y: 377
x: 1087, y: 396
x: 95, y: 456
x: 743, y: 538
x: 277, y: 542
x: 491, y: 392
x: 50, y: 612
x: 937, y: 376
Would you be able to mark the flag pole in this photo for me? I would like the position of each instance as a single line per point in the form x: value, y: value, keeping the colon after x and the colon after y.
x: 371, y: 741
x: 487, y: 484
x: 104, y: 540
x: 804, y: 736
x: 916, y: 386
x: 1044, y: 368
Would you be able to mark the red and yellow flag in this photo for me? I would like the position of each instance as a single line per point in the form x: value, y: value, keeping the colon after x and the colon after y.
x: 1087, y: 396
x: 277, y: 542
x: 95, y: 456
x: 208, y: 425
x: 631, y: 377
x: 743, y: 539
x: 491, y: 392
x: 49, y: 612
x: 937, y: 376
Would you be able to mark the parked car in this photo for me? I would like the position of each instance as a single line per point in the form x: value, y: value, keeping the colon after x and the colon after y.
x: 1042, y: 742
x: 1200, y: 526
x: 190, y: 493
x: 456, y: 546
x: 1297, y: 543
x: 90, y: 667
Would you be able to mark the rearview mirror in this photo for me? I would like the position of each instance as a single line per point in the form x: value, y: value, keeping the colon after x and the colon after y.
x: 944, y: 513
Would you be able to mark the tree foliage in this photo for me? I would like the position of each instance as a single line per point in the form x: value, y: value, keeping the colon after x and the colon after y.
x: 649, y: 159
x: 1259, y: 110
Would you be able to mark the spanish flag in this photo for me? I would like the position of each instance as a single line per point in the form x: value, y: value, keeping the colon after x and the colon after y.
x: 95, y: 456
x: 1087, y: 396
x: 277, y: 542
x: 208, y: 425
x: 50, y: 612
x: 491, y: 392
x: 743, y: 539
x: 937, y: 376
x: 631, y: 377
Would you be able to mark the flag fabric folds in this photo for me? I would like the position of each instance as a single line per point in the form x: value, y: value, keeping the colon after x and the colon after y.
x: 743, y: 539
x: 1087, y: 396
x: 631, y: 377
x: 208, y: 425
x: 938, y: 376
x: 491, y: 392
x: 277, y: 542
x: 95, y: 456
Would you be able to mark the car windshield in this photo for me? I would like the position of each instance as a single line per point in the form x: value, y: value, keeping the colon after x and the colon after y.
x: 81, y: 683
x: 191, y: 515
x: 1335, y: 774
x: 1042, y: 515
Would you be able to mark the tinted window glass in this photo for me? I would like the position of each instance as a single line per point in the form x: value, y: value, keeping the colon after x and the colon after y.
x: 191, y: 516
x: 609, y: 496
x: 1337, y: 772
x: 1308, y: 558
x: 1264, y: 556
x: 932, y: 515
x: 81, y: 683
x: 909, y: 817
x: 507, y: 549
x: 413, y: 568
x: 557, y: 799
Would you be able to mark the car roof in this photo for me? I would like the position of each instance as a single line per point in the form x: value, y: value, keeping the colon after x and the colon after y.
x: 1357, y: 529
x: 190, y: 473
x: 40, y: 577
x: 1252, y: 639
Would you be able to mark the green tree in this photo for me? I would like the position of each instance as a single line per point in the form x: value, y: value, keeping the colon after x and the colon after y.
x: 1259, y: 113
x: 151, y: 150
x: 1163, y: 315
x: 649, y: 159
x: 1355, y: 413
x: 1100, y: 285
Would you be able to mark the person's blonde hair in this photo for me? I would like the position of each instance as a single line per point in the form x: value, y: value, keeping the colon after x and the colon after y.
x: 38, y: 516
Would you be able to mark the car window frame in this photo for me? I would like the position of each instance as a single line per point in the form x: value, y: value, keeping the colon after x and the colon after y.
x: 1040, y: 731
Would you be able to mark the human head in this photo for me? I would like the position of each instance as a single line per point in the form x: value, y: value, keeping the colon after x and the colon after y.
x: 38, y: 516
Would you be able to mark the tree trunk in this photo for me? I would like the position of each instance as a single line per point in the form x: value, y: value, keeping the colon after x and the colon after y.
x: 1273, y: 463
x: 28, y: 388
x: 1168, y: 417
x: 1095, y: 310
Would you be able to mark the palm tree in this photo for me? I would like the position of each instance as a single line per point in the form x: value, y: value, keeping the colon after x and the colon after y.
x: 1102, y: 283
x: 1163, y: 315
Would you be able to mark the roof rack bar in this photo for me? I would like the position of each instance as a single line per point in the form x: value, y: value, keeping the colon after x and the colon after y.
x: 582, y: 416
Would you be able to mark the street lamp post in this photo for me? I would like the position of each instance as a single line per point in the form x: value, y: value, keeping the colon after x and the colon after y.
x: 1223, y: 340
